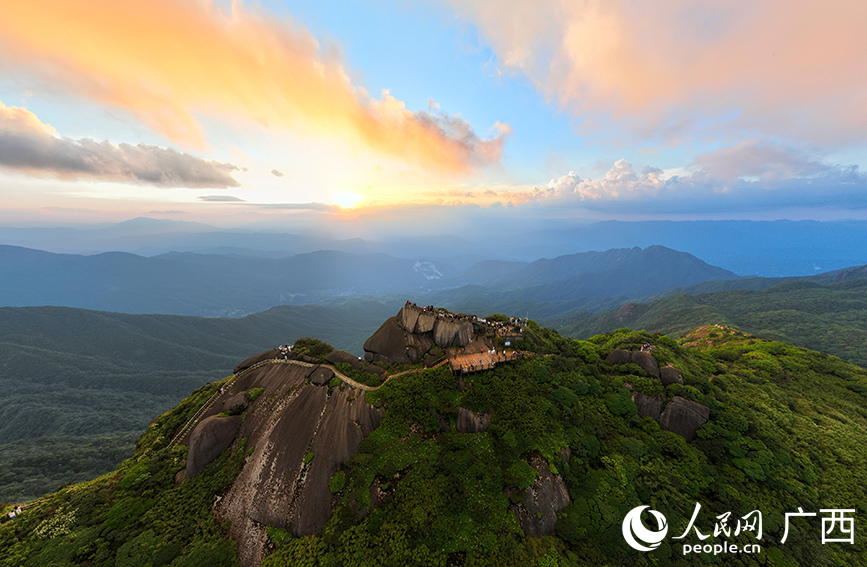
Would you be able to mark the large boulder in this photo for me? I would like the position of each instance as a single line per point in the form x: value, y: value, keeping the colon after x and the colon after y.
x: 619, y: 356
x: 464, y: 335
x: 338, y: 356
x: 684, y: 417
x: 542, y: 500
x: 472, y: 421
x: 208, y: 440
x: 374, y: 369
x: 236, y: 404
x: 388, y: 343
x: 445, y: 333
x: 426, y: 322
x: 247, y: 363
x: 646, y: 361
x: 408, y: 317
x: 670, y: 375
x: 648, y: 406
x: 321, y: 376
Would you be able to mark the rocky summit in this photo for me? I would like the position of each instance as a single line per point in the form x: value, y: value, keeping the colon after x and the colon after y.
x: 422, y: 334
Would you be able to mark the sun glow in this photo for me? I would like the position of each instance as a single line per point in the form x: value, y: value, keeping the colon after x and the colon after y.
x: 346, y: 200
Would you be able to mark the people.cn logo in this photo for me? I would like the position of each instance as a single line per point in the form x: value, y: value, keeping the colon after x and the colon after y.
x: 639, y: 537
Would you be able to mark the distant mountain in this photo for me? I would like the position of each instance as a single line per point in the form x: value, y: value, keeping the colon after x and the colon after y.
x: 588, y: 281
x: 201, y: 284
x: 625, y: 271
x: 766, y: 248
x: 829, y: 318
x: 481, y: 273
x: 77, y: 384
x: 187, y: 283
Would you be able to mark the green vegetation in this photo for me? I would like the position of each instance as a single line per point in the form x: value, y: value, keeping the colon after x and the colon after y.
x: 360, y: 376
x: 253, y: 394
x: 134, y: 516
x: 827, y: 318
x: 337, y: 482
x: 787, y: 429
x: 313, y: 347
x: 79, y: 386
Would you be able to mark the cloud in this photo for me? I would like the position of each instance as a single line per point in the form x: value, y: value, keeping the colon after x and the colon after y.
x: 621, y: 182
x: 792, y: 68
x: 27, y: 145
x: 221, y: 199
x: 298, y: 206
x: 759, y: 160
x: 169, y: 61
x: 748, y: 177
x: 276, y: 173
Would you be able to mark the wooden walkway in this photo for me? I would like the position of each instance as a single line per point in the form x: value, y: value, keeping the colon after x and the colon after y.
x: 477, y: 362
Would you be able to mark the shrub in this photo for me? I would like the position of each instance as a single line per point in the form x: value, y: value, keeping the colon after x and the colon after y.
x: 253, y: 394
x: 337, y: 482
x: 313, y: 347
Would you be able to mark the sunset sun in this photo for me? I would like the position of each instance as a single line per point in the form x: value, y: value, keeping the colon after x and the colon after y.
x: 346, y: 200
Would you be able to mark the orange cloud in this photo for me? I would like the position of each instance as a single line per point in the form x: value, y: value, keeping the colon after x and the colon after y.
x: 167, y: 61
x: 787, y: 67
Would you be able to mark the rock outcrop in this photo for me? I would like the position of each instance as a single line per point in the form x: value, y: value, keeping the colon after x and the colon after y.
x: 299, y: 433
x: 321, y: 376
x: 680, y: 416
x: 648, y: 406
x: 619, y: 356
x: 236, y: 404
x: 338, y: 356
x: 388, y: 344
x: 208, y: 440
x: 684, y: 417
x: 542, y: 500
x: 643, y: 359
x: 247, y: 363
x: 414, y: 334
x: 472, y: 421
x: 670, y: 375
x: 646, y: 361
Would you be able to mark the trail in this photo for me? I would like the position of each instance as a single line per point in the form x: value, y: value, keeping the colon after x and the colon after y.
x: 193, y: 421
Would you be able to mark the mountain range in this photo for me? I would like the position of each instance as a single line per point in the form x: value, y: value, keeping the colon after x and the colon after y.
x: 228, y: 285
x: 764, y: 248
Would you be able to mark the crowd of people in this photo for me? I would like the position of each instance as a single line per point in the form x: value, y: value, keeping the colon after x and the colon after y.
x: 515, y: 325
x: 284, y: 350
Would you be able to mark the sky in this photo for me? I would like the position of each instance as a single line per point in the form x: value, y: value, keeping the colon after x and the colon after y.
x: 423, y: 114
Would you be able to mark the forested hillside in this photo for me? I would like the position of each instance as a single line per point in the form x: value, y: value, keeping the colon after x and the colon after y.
x: 786, y: 429
x: 828, y: 318
x: 78, y: 386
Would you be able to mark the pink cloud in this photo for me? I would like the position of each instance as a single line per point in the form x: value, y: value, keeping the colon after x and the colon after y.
x: 793, y: 68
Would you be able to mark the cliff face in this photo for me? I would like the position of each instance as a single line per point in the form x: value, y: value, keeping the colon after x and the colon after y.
x: 299, y: 433
x: 416, y: 333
